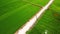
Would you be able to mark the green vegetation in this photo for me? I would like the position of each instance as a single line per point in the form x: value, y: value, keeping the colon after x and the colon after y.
x: 15, y: 13
x: 50, y: 21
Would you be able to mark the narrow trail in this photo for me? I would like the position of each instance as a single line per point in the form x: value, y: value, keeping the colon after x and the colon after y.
x: 33, y: 20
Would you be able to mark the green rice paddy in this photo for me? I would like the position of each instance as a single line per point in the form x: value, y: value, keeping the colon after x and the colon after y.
x: 15, y: 13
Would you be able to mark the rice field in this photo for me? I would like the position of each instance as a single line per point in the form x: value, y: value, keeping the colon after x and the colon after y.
x: 15, y: 13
